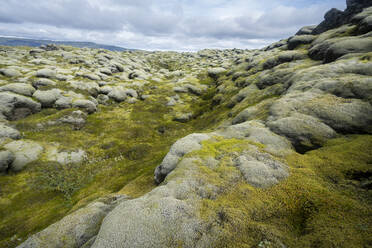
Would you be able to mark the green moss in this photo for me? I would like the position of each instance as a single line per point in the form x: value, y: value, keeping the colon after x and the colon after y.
x: 323, y: 203
x: 309, y: 209
x: 124, y: 144
x: 218, y: 146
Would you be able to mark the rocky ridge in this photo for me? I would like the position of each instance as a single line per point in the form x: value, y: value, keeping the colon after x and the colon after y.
x: 275, y: 149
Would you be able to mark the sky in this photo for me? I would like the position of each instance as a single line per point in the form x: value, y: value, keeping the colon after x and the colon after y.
x: 180, y: 25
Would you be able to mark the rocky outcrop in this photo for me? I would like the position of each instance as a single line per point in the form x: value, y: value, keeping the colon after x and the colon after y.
x: 46, y: 73
x: 74, y: 230
x: 8, y: 132
x: 47, y: 98
x: 14, y: 106
x: 19, y: 88
x: 25, y: 152
x: 335, y: 18
x: 177, y: 151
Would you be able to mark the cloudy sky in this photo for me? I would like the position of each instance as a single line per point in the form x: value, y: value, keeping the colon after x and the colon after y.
x: 183, y: 25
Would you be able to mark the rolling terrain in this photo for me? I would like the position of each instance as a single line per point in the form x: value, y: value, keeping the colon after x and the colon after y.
x: 220, y: 148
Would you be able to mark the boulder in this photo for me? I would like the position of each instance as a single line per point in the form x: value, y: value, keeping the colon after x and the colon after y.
x: 92, y: 76
x: 120, y: 94
x: 87, y: 105
x: 8, y: 132
x: 25, y: 152
x: 9, y: 72
x: 105, y: 89
x: 138, y: 74
x: 331, y: 49
x: 74, y: 230
x: 103, y: 99
x: 63, y: 102
x: 106, y: 71
x: 47, y: 98
x: 345, y: 86
x: 297, y: 40
x: 216, y: 72
x: 343, y: 115
x: 351, y: 45
x: 43, y: 82
x: 156, y: 224
x: 19, y: 88
x: 116, y: 67
x: 275, y: 76
x: 14, y: 106
x: 177, y: 151
x: 131, y: 93
x: 46, y: 73
x: 149, y: 226
x: 305, y: 132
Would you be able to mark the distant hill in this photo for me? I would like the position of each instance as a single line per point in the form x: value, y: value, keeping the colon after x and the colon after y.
x: 10, y: 41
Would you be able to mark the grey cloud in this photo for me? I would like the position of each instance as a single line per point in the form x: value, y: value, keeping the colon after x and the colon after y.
x: 105, y: 15
x: 78, y: 14
x: 161, y: 24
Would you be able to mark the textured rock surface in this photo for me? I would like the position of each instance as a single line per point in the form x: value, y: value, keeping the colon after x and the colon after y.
x: 177, y: 151
x: 14, y: 106
x: 8, y: 132
x: 304, y: 131
x: 25, y: 152
x: 19, y: 88
x: 261, y: 170
x: 74, y: 230
x: 46, y: 73
x: 48, y: 97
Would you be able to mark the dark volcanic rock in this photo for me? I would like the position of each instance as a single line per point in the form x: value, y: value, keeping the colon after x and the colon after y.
x: 335, y: 18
